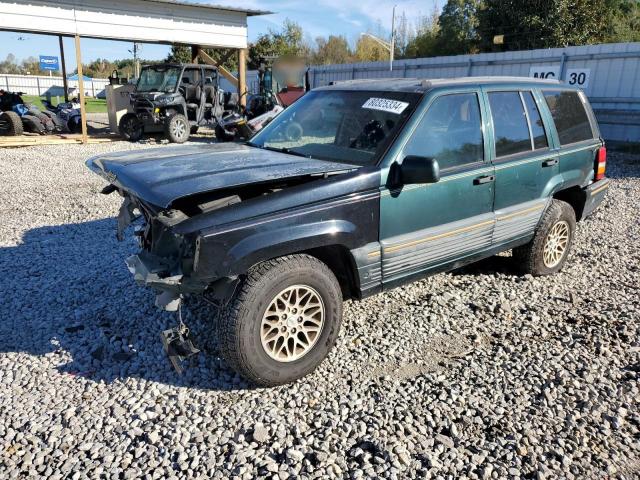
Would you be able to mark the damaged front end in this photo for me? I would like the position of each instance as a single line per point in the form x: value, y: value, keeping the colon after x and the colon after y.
x: 164, y: 263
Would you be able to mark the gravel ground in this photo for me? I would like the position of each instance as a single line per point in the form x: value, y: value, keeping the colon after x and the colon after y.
x: 479, y: 373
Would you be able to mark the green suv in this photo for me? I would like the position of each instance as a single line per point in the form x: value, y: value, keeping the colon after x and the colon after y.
x: 354, y: 189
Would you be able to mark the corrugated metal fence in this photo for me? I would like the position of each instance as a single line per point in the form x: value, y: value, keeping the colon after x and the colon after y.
x: 44, y: 85
x: 609, y: 74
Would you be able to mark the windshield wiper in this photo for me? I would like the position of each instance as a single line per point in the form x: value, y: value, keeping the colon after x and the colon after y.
x: 287, y: 151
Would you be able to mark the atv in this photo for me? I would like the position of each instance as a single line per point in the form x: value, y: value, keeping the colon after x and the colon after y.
x: 18, y: 117
x: 174, y: 99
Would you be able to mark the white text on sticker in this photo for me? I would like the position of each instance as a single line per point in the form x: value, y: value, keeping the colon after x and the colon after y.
x: 385, y: 105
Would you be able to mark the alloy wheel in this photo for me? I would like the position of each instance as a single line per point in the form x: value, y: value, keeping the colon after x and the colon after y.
x: 555, y: 244
x: 292, y: 323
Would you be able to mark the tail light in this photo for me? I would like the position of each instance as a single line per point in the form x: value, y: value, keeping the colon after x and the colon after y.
x: 601, y: 163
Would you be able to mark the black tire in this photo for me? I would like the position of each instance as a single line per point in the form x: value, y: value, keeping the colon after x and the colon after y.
x: 11, y: 124
x: 239, y: 323
x: 131, y: 127
x: 32, y: 124
x: 59, y: 125
x: 194, y: 129
x: 46, y: 121
x: 531, y: 257
x: 177, y: 128
x: 222, y: 135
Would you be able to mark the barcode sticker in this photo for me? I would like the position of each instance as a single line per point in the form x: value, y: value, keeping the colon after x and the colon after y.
x: 385, y: 105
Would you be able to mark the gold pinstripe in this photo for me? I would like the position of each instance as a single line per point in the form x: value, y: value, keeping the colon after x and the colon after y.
x: 412, y: 243
x: 521, y: 212
x: 599, y: 189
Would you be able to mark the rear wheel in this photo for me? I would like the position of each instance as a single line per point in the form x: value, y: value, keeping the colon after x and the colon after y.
x: 283, y: 321
x: 131, y: 127
x: 547, y: 252
x: 32, y: 124
x: 177, y: 128
x: 10, y: 124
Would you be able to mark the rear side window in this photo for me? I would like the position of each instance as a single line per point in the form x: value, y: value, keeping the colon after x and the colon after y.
x: 509, y: 123
x: 450, y: 131
x: 569, y: 115
x: 537, y: 127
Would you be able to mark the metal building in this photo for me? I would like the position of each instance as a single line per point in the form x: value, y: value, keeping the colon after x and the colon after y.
x: 150, y: 21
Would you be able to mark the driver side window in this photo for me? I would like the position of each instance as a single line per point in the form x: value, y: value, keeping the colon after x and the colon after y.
x: 450, y: 132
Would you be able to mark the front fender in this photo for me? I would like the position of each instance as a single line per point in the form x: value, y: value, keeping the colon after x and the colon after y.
x: 270, y: 244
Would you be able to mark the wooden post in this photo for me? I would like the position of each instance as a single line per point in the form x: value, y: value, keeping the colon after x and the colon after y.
x: 242, y: 76
x: 195, y: 53
x: 65, y: 85
x: 223, y: 71
x: 83, y: 110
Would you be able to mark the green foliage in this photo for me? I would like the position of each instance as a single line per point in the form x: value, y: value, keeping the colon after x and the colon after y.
x: 529, y: 24
x: 227, y: 57
x: 458, y: 32
x: 368, y: 50
x: 334, y: 49
x: 285, y: 42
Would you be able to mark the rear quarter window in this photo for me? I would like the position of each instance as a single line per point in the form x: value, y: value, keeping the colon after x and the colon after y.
x: 569, y: 115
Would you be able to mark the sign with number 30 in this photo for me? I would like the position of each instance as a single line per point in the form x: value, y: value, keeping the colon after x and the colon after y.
x: 578, y: 77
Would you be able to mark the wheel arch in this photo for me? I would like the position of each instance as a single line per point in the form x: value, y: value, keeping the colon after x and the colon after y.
x: 574, y: 196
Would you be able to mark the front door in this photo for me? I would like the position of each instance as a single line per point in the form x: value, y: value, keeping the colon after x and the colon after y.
x: 426, y: 226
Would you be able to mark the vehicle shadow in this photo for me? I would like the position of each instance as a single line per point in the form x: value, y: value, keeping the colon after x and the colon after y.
x: 68, y: 297
x: 501, y: 264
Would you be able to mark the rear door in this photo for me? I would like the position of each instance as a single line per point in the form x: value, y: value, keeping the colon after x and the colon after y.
x: 524, y: 162
x: 576, y: 135
x: 426, y: 226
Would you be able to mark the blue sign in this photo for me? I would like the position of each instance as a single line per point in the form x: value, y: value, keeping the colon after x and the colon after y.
x: 49, y: 63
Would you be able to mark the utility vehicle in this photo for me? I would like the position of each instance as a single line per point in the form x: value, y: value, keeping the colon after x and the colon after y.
x: 174, y: 99
x: 388, y: 181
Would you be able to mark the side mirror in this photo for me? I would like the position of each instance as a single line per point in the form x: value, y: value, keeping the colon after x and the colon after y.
x: 416, y: 169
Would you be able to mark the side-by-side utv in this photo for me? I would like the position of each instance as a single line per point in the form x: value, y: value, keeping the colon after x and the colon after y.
x: 174, y: 99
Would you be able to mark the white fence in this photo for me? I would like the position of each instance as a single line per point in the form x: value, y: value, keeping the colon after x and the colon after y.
x: 48, y: 86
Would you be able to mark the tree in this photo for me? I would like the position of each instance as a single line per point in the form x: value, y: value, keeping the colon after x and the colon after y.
x: 528, y: 24
x: 10, y: 65
x: 368, y: 50
x: 458, y: 27
x: 225, y: 57
x: 424, y: 42
x: 285, y: 42
x: 624, y: 21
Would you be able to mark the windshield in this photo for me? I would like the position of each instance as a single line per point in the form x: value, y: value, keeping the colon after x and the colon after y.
x: 350, y: 126
x: 158, y: 79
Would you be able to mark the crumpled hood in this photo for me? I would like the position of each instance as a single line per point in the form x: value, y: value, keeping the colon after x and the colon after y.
x: 162, y: 175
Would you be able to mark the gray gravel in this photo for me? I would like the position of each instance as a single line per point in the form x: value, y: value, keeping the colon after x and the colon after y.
x: 479, y: 373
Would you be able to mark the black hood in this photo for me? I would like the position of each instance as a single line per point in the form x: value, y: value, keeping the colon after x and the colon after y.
x: 160, y: 176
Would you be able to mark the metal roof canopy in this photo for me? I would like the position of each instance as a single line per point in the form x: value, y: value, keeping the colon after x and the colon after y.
x: 153, y: 21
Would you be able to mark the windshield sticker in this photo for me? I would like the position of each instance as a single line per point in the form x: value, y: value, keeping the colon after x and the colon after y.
x: 385, y: 105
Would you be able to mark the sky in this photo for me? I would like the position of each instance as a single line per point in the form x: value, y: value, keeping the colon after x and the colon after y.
x: 326, y: 17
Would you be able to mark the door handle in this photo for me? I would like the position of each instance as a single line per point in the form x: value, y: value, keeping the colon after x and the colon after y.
x: 484, y: 179
x: 550, y: 163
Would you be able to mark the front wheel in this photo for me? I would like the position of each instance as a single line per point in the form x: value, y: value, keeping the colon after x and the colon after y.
x: 177, y: 128
x: 130, y: 127
x: 10, y: 124
x: 547, y: 252
x: 283, y: 321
